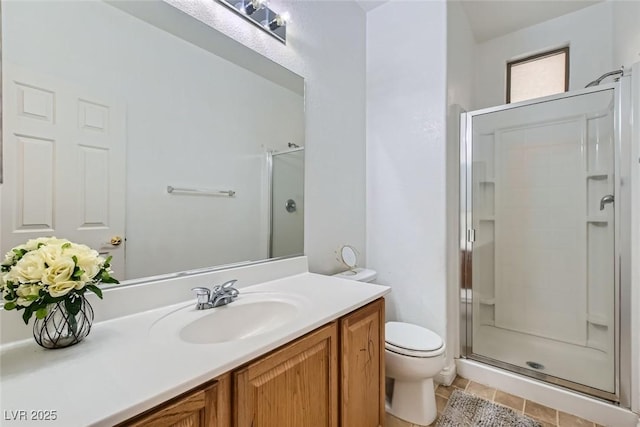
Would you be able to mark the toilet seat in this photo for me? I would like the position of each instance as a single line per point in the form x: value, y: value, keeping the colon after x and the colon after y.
x: 413, y: 353
x: 412, y: 340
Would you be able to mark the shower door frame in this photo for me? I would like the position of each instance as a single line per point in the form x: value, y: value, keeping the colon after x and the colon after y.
x: 622, y: 282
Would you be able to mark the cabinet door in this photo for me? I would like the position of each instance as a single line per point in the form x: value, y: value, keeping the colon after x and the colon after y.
x: 207, y: 407
x: 296, y: 386
x: 362, y: 367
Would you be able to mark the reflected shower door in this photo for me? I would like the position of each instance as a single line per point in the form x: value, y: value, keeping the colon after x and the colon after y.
x: 543, y: 270
x: 287, y: 203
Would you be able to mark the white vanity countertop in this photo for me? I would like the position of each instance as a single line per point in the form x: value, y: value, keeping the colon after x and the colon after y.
x: 121, y: 369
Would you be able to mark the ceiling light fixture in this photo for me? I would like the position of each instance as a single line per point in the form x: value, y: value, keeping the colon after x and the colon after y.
x: 259, y: 13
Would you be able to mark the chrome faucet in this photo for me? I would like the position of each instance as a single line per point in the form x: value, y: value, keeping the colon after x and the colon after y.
x: 216, y: 297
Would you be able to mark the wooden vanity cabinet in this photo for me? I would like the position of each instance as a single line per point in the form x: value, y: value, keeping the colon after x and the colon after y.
x: 331, y: 377
x: 207, y: 406
x: 362, y: 367
x: 296, y: 386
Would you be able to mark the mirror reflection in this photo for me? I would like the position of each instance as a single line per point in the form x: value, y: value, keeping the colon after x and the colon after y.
x: 102, y: 112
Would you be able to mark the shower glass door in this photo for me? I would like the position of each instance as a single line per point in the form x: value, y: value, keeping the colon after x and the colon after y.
x: 287, y: 203
x: 541, y: 264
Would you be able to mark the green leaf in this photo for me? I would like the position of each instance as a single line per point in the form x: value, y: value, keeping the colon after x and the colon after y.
x: 66, y: 245
x: 106, y: 278
x: 10, y: 306
x: 48, y: 299
x: 73, y: 305
x: 107, y: 262
x: 75, y: 259
x: 78, y: 273
x: 28, y: 312
x: 41, y: 313
x: 96, y: 290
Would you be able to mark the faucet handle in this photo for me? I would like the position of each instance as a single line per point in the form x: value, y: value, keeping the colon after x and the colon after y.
x: 228, y: 284
x: 202, y: 294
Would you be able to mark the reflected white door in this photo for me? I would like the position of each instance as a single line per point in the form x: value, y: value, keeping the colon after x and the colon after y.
x: 64, y: 159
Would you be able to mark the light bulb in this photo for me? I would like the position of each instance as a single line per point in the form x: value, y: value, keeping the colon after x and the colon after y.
x: 254, y: 5
x: 280, y: 20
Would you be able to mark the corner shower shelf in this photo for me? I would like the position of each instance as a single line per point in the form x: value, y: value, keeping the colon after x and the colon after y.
x: 597, y: 175
x: 487, y: 218
x: 487, y: 181
x: 598, y: 320
x: 488, y: 301
x: 597, y: 220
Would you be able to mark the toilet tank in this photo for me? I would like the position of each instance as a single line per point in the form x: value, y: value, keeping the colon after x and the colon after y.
x: 359, y: 275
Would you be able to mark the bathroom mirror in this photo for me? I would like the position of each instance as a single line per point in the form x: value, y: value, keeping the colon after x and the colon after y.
x: 106, y: 105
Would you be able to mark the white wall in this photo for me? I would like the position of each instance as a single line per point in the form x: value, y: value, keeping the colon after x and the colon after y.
x: 406, y: 117
x: 626, y: 33
x: 588, y: 32
x: 326, y: 45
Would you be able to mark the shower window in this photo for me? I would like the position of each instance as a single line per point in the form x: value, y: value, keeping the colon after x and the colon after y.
x: 538, y: 75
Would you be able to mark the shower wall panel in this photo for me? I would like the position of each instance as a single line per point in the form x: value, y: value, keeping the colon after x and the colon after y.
x: 540, y: 244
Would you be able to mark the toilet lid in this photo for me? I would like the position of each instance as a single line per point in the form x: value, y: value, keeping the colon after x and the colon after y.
x: 412, y: 337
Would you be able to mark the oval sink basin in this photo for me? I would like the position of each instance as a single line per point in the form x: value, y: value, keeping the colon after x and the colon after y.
x: 231, y: 322
x: 249, y: 316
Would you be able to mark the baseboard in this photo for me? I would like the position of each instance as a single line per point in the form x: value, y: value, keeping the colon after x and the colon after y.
x: 599, y: 411
x: 447, y: 375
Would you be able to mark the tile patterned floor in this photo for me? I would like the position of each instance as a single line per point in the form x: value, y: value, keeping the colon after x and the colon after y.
x: 546, y: 416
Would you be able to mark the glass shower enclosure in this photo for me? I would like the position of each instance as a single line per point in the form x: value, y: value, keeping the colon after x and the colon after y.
x: 539, y: 228
x: 286, y: 235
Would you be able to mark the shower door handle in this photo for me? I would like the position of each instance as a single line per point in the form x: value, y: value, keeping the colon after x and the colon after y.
x: 606, y: 199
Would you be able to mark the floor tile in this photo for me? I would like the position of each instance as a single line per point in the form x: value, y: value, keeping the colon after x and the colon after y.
x: 509, y: 400
x: 392, y: 421
x: 481, y: 390
x: 548, y: 417
x: 540, y: 412
x: 460, y: 382
x: 445, y: 391
x: 441, y: 403
x: 568, y: 420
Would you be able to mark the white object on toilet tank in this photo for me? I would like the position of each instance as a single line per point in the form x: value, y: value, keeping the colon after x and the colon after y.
x: 349, y: 257
x: 358, y: 274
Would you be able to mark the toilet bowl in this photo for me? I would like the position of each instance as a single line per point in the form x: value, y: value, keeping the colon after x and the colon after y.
x: 414, y: 355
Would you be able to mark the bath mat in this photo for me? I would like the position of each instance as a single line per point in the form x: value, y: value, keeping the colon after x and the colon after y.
x: 467, y: 410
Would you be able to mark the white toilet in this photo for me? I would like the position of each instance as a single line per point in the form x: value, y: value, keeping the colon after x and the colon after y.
x: 413, y: 354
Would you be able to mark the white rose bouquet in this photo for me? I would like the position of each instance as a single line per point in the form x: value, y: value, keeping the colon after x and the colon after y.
x: 48, y: 270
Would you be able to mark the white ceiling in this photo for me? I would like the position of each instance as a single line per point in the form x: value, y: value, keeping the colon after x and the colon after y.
x: 489, y: 18
x: 493, y: 18
x: 368, y: 5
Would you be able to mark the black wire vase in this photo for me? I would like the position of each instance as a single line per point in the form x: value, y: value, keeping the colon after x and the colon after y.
x: 60, y: 328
